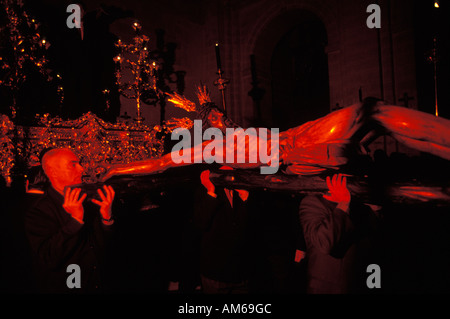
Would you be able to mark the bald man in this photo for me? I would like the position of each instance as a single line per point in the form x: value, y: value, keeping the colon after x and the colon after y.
x: 63, y: 229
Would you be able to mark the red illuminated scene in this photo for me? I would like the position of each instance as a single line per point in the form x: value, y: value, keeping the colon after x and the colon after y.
x: 240, y: 147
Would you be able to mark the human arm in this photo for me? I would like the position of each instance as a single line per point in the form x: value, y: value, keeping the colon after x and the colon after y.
x: 206, y: 203
x: 326, y: 229
x: 206, y: 182
x: 327, y: 226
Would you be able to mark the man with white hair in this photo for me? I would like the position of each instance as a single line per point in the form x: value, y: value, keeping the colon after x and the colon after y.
x: 64, y: 230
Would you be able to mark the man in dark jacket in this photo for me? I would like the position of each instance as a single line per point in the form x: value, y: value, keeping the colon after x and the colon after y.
x: 62, y: 232
x: 222, y: 216
x: 339, y: 234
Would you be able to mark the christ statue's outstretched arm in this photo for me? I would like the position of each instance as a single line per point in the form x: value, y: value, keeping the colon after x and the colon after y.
x: 312, y: 147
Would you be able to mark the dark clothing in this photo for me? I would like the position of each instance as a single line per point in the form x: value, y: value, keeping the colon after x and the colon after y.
x: 15, y: 269
x: 58, y: 240
x: 225, y: 244
x: 339, y: 245
x: 210, y: 286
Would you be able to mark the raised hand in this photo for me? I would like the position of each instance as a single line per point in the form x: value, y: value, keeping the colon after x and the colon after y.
x: 106, y: 202
x: 73, y: 203
x: 206, y: 182
x: 338, y: 191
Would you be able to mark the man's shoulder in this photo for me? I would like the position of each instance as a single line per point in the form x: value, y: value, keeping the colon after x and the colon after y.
x: 311, y: 199
x: 315, y: 203
x: 46, y: 202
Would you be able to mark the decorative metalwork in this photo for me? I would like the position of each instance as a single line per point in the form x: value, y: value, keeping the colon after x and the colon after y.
x: 97, y: 143
x: 22, y: 46
x: 6, y: 147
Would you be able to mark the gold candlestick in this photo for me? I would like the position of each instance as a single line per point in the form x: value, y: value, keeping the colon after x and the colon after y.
x: 221, y: 84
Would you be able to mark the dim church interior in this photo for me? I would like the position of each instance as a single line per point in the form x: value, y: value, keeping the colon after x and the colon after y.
x: 288, y: 62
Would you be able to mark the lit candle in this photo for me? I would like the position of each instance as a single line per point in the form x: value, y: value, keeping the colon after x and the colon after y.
x: 219, y: 65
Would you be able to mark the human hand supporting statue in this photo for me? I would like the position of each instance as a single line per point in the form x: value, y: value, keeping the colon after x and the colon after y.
x: 338, y: 191
x: 106, y: 203
x: 206, y: 182
x: 73, y: 203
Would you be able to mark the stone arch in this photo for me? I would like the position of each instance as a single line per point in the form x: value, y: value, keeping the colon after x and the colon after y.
x: 275, y: 22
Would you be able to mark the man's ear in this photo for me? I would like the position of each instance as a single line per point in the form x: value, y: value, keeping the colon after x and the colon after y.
x: 50, y: 173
